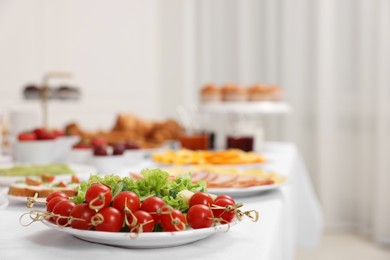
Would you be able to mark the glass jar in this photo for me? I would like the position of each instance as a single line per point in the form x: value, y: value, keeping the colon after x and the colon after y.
x: 246, y: 135
x: 195, y: 141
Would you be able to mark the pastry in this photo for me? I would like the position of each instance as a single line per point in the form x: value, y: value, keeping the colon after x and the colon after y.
x: 211, y: 93
x: 259, y: 92
x: 234, y: 92
x: 144, y: 133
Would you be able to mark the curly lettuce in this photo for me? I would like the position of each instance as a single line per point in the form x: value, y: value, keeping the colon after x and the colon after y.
x: 155, y: 182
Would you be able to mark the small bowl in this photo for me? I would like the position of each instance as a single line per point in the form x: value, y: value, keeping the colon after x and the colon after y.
x: 65, y: 144
x: 80, y: 155
x: 39, y: 152
x: 134, y: 157
x: 108, y: 164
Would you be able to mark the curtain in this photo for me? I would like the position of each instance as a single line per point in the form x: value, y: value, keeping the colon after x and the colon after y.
x: 332, y: 59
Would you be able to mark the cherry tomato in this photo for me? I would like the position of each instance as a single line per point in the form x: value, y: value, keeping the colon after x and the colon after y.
x: 83, y: 215
x: 98, y: 141
x: 48, y: 135
x: 98, y: 196
x: 201, y: 198
x: 47, y: 178
x: 39, y: 132
x: 172, y: 220
x: 62, y: 184
x: 44, y: 134
x: 226, y: 197
x: 83, y: 144
x: 152, y: 205
x: 27, y: 136
x: 63, y: 209
x: 33, y: 181
x: 144, y: 221
x: 75, y: 179
x: 112, y: 220
x: 58, y: 132
x: 128, y: 199
x: 51, y: 204
x: 225, y: 214
x: 199, y: 216
x: 56, y: 194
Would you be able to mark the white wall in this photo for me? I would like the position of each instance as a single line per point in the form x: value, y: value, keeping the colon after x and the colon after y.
x: 111, y: 47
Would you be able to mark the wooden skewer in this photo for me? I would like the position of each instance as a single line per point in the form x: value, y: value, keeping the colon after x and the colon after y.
x: 32, y: 200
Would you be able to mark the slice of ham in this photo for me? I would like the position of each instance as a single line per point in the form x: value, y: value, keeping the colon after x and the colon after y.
x: 136, y: 176
x: 211, y: 177
x: 199, y: 176
x: 217, y: 180
x: 245, y: 181
x: 263, y: 181
x: 222, y: 181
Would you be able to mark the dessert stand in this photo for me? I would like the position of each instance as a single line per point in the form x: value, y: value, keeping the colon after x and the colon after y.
x: 44, y: 93
x: 246, y: 117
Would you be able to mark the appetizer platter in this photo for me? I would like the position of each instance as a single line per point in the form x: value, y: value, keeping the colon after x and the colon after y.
x: 157, y: 210
x: 41, y: 187
x: 10, y: 173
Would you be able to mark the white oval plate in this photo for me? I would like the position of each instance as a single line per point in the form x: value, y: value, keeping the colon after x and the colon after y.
x: 3, y: 202
x: 243, y: 192
x: 81, y: 170
x: 22, y: 200
x: 144, y: 240
x: 18, y: 199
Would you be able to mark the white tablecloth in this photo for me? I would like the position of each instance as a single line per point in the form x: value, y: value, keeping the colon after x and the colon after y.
x: 289, y: 217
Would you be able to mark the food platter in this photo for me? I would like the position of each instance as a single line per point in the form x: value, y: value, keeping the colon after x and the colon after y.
x: 234, y: 181
x: 244, y: 192
x: 143, y: 240
x: 81, y: 170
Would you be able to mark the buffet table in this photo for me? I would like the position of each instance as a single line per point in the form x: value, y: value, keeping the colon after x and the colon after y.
x: 289, y: 217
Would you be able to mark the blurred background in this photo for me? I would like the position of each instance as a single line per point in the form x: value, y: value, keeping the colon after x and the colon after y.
x: 330, y: 57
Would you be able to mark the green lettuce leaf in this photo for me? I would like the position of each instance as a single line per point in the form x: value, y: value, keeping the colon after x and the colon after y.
x: 155, y: 182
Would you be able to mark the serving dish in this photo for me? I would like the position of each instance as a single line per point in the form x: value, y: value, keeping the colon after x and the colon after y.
x: 244, y: 192
x: 83, y: 171
x: 21, y: 200
x: 107, y: 164
x: 142, y: 240
x: 44, y: 151
x: 37, y: 152
x: 232, y: 180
